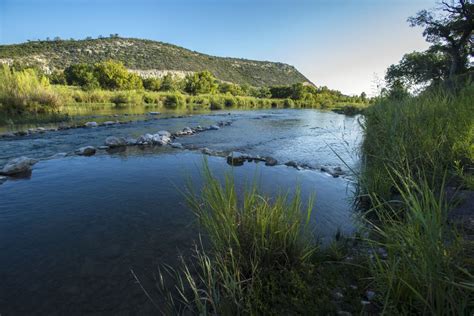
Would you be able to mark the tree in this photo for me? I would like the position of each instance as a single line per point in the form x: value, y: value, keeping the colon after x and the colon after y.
x: 200, y: 83
x: 113, y: 75
x: 363, y: 97
x: 152, y: 84
x: 419, y: 67
x: 168, y: 83
x: 81, y: 75
x: 450, y: 32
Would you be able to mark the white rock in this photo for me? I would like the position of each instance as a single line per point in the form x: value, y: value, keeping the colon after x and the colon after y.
x: 176, y: 145
x: 213, y: 127
x: 91, y: 124
x: 164, y: 133
x: 18, y: 165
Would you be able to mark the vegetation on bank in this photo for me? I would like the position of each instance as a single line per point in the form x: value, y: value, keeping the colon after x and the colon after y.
x: 56, y: 54
x: 26, y: 91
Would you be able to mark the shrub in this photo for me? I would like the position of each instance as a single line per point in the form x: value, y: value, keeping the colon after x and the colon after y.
x: 174, y: 101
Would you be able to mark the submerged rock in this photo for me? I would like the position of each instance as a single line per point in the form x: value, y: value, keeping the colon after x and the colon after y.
x: 58, y: 155
x: 86, y: 151
x: 3, y: 179
x: 214, y: 127
x: 18, y: 166
x: 113, y: 141
x: 270, y: 161
x: 177, y: 145
x: 236, y: 160
x: 91, y: 124
x: 145, y: 139
x: 108, y: 123
x: 293, y: 164
x: 154, y: 113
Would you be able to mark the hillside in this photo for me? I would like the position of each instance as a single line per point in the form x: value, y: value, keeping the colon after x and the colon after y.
x: 150, y: 58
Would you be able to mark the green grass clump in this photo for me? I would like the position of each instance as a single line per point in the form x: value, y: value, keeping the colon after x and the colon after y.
x: 174, y: 101
x: 259, y: 248
x: 25, y: 91
x: 423, y: 271
x: 433, y: 132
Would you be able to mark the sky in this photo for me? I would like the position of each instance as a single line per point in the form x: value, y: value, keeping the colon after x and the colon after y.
x: 343, y: 44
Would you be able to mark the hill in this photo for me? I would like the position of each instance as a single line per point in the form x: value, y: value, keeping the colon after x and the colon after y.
x: 149, y: 58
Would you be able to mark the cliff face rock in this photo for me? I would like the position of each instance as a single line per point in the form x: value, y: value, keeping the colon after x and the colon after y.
x: 149, y: 59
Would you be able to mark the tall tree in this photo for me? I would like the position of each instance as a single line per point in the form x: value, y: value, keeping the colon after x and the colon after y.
x: 450, y: 32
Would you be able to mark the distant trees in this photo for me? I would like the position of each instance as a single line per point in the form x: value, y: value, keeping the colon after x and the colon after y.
x: 200, y: 83
x: 110, y: 75
x: 450, y: 30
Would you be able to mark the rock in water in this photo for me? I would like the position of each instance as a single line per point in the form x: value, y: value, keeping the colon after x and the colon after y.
x: 214, y: 127
x: 86, y: 151
x: 154, y: 113
x: 176, y: 145
x: 18, y: 165
x: 91, y: 124
x: 113, y: 141
x: 236, y: 160
x: 164, y: 133
x: 270, y: 161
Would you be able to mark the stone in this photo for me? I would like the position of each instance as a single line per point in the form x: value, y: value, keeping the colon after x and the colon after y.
x: 164, y: 133
x: 18, y: 166
x: 58, y: 155
x: 108, y: 123
x: 91, y: 124
x: 113, y: 141
x: 154, y: 113
x: 293, y: 164
x: 270, y: 161
x: 6, y: 135
x: 177, y: 145
x: 86, y: 151
x: 3, y: 179
x: 236, y: 160
x: 187, y: 130
x: 214, y: 127
x: 145, y: 139
x: 103, y: 147
x: 131, y: 141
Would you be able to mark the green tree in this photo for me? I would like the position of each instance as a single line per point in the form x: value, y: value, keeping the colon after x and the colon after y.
x: 418, y: 68
x: 152, y: 84
x: 200, y: 83
x: 168, y: 83
x: 81, y: 75
x: 450, y: 29
x: 113, y: 75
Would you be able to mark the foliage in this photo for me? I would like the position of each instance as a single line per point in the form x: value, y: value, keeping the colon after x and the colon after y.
x: 450, y: 30
x: 200, y: 83
x: 174, y: 101
x: 26, y: 92
x: 81, y: 75
x: 422, y: 271
x: 431, y: 132
x: 152, y: 84
x: 114, y: 76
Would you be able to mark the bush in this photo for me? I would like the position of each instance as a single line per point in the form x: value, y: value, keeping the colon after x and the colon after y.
x: 25, y: 91
x: 174, y: 101
x: 127, y: 97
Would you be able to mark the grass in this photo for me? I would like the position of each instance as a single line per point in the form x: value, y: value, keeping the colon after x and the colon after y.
x: 433, y: 132
x: 257, y: 256
x: 423, y: 271
x: 413, y: 149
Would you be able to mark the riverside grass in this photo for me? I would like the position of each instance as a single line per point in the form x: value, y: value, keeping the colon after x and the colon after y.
x: 257, y: 256
x: 413, y: 148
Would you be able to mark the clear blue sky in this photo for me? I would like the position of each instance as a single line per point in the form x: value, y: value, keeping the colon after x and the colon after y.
x: 344, y: 44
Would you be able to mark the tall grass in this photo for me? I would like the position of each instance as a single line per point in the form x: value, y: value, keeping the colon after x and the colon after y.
x: 423, y: 270
x: 258, y: 258
x: 413, y: 148
x: 432, y: 132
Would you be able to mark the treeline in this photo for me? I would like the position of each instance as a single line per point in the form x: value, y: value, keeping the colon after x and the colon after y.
x: 31, y: 91
x: 112, y: 75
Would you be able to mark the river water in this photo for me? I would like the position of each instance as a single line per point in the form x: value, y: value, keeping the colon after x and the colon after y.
x: 71, y: 232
